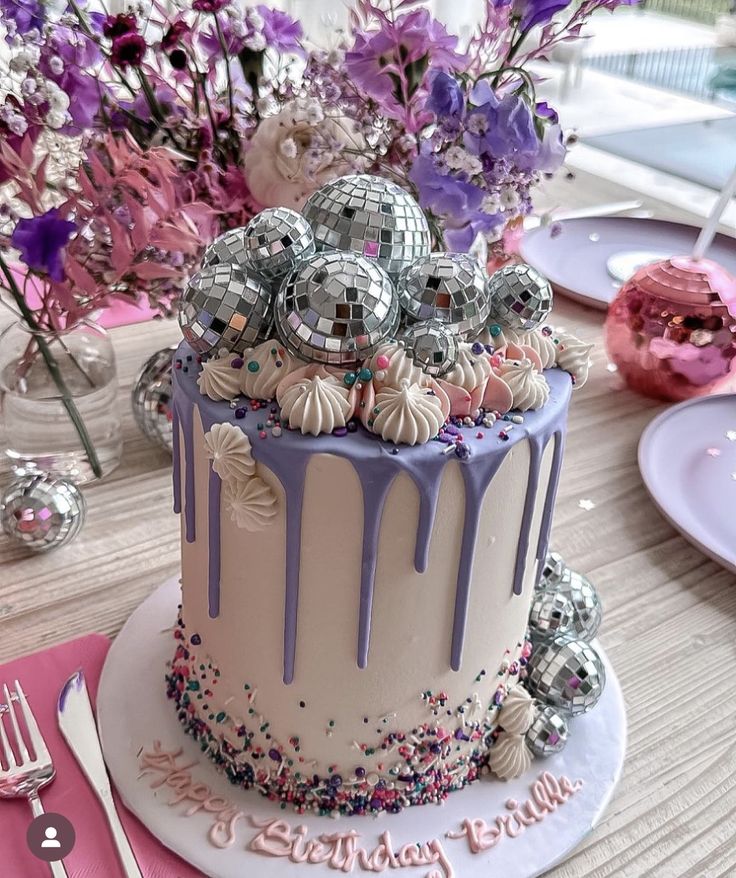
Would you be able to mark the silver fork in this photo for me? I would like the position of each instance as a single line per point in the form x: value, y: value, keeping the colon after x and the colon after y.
x: 26, y: 778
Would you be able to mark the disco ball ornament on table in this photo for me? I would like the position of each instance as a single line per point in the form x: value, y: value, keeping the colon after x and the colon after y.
x: 151, y: 398
x: 551, y: 613
x: 276, y: 241
x: 228, y: 249
x: 567, y: 674
x: 224, y: 307
x: 520, y: 297
x: 42, y: 512
x: 587, y: 612
x: 336, y: 308
x: 432, y: 345
x: 548, y: 733
x: 552, y: 571
x: 372, y: 217
x: 449, y: 287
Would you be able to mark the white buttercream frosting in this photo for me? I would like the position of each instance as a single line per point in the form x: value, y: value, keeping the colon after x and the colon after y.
x: 510, y: 757
x: 573, y: 355
x: 252, y: 504
x: 273, y: 364
x: 536, y: 340
x: 229, y: 450
x: 409, y: 415
x: 218, y: 379
x: 517, y: 712
x: 400, y: 367
x: 471, y: 370
x: 529, y: 387
x: 316, y: 405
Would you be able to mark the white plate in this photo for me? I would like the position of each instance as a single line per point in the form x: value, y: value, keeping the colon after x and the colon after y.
x: 687, y: 458
x: 133, y: 712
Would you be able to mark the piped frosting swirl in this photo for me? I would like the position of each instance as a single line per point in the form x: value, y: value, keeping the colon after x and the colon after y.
x: 316, y: 404
x: 471, y: 370
x: 409, y: 415
x: 517, y: 713
x: 265, y: 368
x: 510, y: 757
x: 573, y: 355
x: 528, y: 387
x: 219, y: 378
x: 252, y: 504
x: 229, y: 450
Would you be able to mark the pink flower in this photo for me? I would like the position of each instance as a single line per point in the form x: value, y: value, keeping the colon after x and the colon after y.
x: 128, y: 50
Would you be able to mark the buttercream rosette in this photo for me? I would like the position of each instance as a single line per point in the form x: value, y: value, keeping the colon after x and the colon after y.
x: 315, y: 399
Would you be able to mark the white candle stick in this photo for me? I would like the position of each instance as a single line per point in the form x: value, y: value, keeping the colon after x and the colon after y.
x: 705, y: 238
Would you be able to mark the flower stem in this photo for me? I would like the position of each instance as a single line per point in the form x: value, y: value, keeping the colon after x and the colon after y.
x: 54, y: 370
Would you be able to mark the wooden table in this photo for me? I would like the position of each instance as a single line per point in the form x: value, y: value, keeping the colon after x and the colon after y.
x: 669, y: 625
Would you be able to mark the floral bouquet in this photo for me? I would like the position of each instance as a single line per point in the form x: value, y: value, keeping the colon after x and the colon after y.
x: 129, y: 141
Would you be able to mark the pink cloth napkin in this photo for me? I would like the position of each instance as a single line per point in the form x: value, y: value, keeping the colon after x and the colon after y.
x: 42, y: 676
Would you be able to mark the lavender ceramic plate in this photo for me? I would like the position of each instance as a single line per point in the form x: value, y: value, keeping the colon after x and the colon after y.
x: 687, y: 458
x: 579, y: 260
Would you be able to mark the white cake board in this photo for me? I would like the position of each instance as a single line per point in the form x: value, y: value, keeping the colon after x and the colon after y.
x: 133, y: 712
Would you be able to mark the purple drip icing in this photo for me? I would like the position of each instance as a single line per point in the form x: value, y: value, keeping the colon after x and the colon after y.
x: 477, y: 479
x: 549, y: 502
x: 537, y: 445
x: 374, y: 497
x: 186, y: 418
x: 288, y: 458
x: 213, y: 512
x: 176, y: 462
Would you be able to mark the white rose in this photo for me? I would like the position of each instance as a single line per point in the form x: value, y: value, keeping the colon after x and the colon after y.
x: 287, y: 159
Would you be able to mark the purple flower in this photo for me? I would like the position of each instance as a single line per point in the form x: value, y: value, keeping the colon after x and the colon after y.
x: 442, y: 193
x: 166, y: 99
x: 281, y: 31
x: 233, y: 39
x: 410, y: 44
x: 534, y: 12
x: 175, y: 35
x: 460, y: 236
x: 41, y: 241
x: 27, y: 14
x: 128, y: 50
x: 543, y: 110
x: 446, y: 98
x: 499, y: 129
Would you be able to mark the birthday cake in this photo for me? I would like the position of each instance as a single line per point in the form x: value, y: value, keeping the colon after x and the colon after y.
x: 367, y: 443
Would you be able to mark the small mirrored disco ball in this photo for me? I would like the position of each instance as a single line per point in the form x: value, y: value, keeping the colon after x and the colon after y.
x: 567, y: 674
x: 336, y: 308
x: 42, y: 512
x: 449, y: 287
x: 520, y: 297
x: 432, y: 345
x: 548, y: 733
x: 224, y: 307
x: 276, y: 241
x: 151, y: 398
x: 228, y: 248
x: 372, y: 217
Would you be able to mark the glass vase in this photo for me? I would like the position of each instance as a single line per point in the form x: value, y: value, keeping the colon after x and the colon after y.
x: 58, y: 401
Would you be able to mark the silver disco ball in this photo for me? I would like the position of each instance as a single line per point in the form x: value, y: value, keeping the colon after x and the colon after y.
x: 372, y: 217
x: 42, y: 512
x: 520, y: 297
x: 276, y: 241
x: 567, y: 674
x: 336, y: 308
x: 151, y: 398
x: 553, y: 570
x: 224, y: 307
x: 449, y: 287
x: 587, y: 612
x: 229, y: 248
x: 432, y: 345
x: 551, y: 613
x: 548, y: 733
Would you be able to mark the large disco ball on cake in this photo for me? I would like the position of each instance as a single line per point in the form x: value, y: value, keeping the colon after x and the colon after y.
x: 276, y: 241
x: 336, y: 308
x: 449, y: 287
x: 521, y: 298
x: 372, y: 217
x: 224, y: 307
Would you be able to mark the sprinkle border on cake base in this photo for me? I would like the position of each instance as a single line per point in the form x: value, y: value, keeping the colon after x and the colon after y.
x: 281, y: 772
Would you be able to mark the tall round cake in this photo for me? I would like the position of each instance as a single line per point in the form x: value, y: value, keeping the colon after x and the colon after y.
x: 360, y: 546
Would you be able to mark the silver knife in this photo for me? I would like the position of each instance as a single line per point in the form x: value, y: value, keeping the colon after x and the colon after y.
x: 78, y: 727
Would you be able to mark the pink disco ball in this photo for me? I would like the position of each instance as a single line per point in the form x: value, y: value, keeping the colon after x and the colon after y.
x: 669, y: 329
